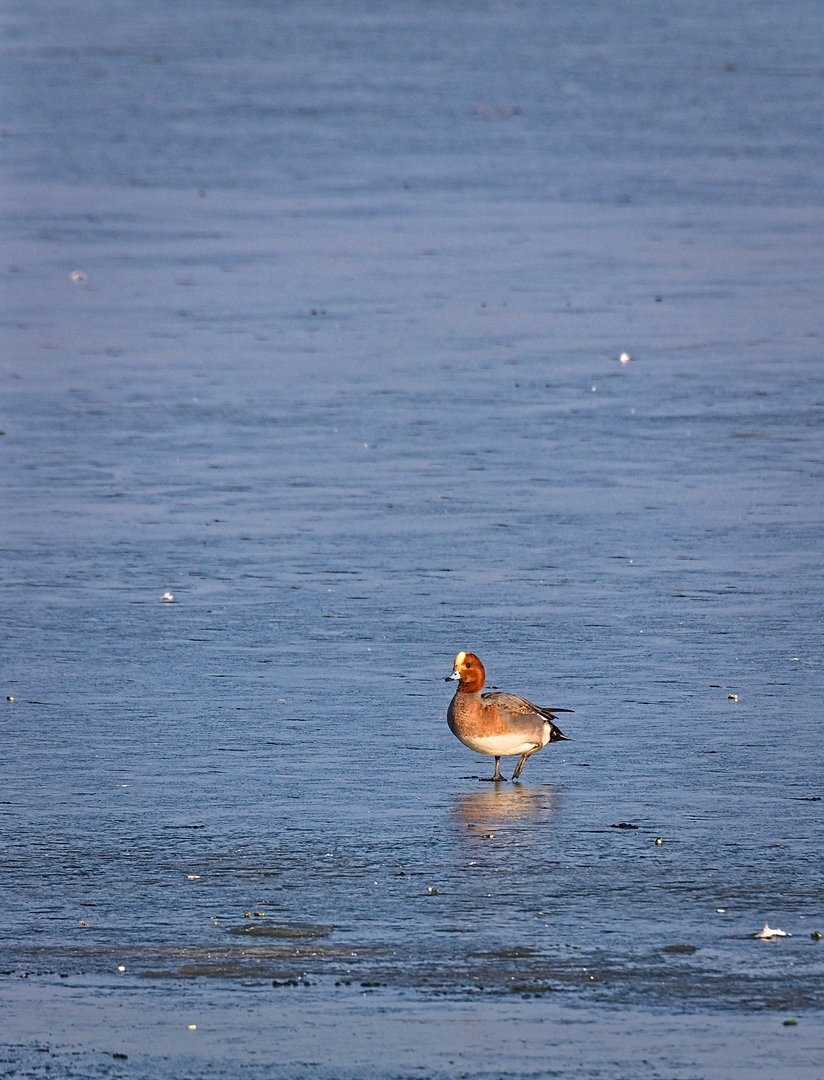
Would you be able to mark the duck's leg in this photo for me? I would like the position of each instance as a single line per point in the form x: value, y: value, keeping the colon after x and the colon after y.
x: 521, y: 763
x: 497, y: 774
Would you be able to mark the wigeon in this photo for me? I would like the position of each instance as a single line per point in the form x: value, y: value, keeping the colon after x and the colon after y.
x: 497, y: 724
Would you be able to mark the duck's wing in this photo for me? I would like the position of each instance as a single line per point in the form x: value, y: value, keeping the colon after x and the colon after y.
x: 520, y: 706
x: 511, y: 702
x: 519, y: 709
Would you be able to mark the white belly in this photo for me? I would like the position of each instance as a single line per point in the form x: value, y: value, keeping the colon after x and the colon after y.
x: 499, y: 745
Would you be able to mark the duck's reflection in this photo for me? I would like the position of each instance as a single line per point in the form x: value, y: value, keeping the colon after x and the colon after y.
x: 502, y: 804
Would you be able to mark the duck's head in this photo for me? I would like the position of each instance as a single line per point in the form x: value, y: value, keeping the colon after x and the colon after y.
x: 469, y: 669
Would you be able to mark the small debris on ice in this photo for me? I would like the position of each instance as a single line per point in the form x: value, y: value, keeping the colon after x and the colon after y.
x: 768, y: 932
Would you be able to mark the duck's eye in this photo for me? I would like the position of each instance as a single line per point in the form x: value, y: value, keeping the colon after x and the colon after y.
x: 468, y: 663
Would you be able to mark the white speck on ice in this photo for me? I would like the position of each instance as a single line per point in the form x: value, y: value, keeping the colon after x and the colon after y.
x: 768, y: 932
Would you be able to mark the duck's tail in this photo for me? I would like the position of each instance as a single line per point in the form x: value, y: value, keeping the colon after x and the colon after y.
x: 555, y: 733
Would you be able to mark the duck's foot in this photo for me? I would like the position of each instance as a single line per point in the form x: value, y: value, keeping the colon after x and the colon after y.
x: 492, y: 779
x: 497, y: 774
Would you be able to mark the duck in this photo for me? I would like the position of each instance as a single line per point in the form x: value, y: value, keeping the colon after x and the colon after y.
x: 497, y: 724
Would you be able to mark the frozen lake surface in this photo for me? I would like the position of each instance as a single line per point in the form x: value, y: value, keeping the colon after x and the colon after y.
x: 312, y: 317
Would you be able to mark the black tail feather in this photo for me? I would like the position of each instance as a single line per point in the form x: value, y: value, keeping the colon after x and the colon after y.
x: 556, y: 734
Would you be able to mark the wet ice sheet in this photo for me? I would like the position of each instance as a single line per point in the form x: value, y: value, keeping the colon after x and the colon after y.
x: 315, y: 324
x: 197, y: 1033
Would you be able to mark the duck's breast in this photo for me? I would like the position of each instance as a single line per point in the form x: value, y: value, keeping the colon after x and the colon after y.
x: 492, y: 726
